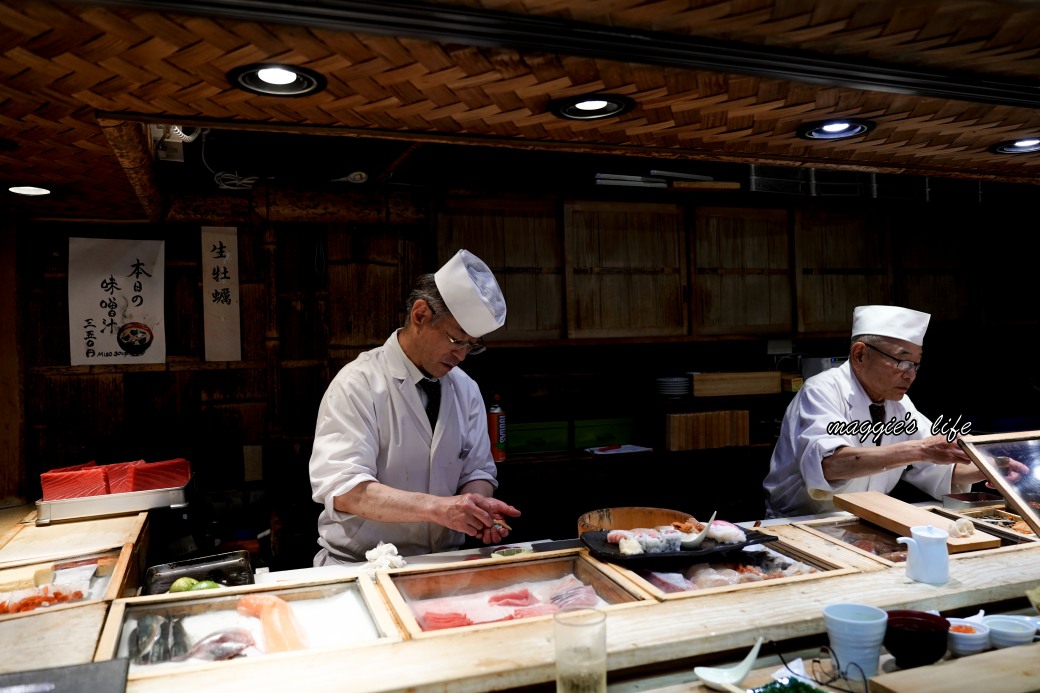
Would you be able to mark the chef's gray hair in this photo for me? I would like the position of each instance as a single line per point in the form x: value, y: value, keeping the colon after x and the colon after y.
x: 874, y: 340
x: 425, y: 288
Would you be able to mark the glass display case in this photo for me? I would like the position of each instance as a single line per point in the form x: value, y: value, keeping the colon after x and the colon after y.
x: 169, y: 632
x: 500, y: 591
x: 1011, y: 463
x: 753, y: 567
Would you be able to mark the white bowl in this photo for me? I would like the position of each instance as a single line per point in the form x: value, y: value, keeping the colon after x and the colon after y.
x: 963, y: 644
x: 1009, y: 631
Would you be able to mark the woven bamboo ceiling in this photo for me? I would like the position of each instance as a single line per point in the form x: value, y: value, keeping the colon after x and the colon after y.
x: 713, y: 80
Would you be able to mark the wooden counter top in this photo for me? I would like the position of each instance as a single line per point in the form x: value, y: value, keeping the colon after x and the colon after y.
x: 521, y: 653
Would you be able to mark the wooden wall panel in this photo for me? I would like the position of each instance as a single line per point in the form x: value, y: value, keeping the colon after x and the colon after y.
x: 929, y: 266
x: 842, y: 261
x: 625, y: 269
x: 520, y: 241
x: 12, y: 473
x: 742, y: 276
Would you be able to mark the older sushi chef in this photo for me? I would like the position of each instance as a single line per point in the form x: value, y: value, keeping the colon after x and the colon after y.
x: 815, y: 457
x: 401, y: 451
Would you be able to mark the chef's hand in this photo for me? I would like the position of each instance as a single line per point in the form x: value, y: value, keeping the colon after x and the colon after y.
x: 499, y: 529
x: 475, y: 515
x: 1013, y: 470
x: 938, y: 450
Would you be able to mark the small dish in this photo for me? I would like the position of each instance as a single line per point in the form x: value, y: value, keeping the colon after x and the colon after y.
x: 962, y: 643
x: 1009, y: 631
x: 915, y: 638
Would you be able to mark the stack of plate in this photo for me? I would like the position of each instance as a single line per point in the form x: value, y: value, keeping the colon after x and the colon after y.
x: 673, y: 387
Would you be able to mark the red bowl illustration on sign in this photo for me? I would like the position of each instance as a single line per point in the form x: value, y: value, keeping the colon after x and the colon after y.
x: 134, y: 338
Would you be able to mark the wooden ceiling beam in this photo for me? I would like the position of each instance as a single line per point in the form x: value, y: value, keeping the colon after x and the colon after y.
x: 132, y: 147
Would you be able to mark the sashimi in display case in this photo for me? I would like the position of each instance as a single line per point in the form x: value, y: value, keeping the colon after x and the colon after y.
x: 496, y: 592
x: 164, y: 634
x: 753, y: 567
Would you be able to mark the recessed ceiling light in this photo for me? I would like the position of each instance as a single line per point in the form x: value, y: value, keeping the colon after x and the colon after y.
x: 1022, y: 146
x: 591, y: 106
x: 272, y: 79
x: 835, y: 129
x: 29, y: 190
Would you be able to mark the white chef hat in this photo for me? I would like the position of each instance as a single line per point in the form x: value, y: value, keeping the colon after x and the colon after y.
x: 890, y: 321
x: 471, y: 293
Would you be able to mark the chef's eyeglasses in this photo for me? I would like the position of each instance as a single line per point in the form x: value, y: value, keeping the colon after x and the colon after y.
x: 830, y: 674
x: 901, y: 364
x: 472, y: 348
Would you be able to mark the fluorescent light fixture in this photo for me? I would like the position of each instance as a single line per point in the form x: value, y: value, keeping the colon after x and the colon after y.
x: 270, y: 79
x: 835, y: 129
x: 29, y: 190
x: 591, y: 106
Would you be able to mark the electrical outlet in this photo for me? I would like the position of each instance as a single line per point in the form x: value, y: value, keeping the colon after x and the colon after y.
x: 170, y: 150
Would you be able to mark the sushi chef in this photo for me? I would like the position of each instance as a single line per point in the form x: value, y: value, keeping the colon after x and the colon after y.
x: 816, y: 457
x: 401, y: 451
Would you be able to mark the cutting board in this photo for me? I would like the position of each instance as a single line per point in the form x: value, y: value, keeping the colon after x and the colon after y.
x: 897, y: 516
x: 1010, y: 670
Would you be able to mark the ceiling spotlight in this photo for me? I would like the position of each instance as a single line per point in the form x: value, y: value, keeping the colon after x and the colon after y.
x: 835, y: 129
x: 591, y: 106
x: 276, y: 80
x: 1023, y: 146
x: 29, y: 190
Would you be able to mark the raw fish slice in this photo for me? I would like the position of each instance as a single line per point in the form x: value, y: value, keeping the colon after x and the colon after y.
x: 281, y: 632
x: 518, y: 598
x: 577, y: 596
x: 667, y: 582
x: 615, y: 536
x: 535, y: 610
x: 726, y: 532
x: 223, y: 644
x: 437, y: 620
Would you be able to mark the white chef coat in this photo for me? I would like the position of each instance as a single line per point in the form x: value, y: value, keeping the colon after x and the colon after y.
x: 372, y: 426
x: 795, y: 484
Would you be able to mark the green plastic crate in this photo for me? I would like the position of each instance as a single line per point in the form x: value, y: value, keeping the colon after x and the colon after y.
x: 548, y: 436
x: 596, y: 433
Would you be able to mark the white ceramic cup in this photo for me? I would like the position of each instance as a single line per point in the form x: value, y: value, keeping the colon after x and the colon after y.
x: 856, y: 632
x: 580, y: 637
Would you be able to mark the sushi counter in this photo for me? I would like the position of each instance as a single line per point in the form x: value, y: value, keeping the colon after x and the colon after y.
x: 467, y: 621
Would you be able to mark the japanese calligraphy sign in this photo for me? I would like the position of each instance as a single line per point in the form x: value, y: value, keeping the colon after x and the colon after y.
x: 116, y: 299
x: 220, y: 306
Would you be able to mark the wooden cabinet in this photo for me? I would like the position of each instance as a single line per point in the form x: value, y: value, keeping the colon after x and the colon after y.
x: 604, y: 270
x: 626, y: 270
x: 742, y: 271
x: 841, y: 261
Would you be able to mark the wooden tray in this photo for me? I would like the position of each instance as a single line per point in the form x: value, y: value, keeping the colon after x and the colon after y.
x: 825, y: 568
x: 183, y: 604
x: 413, y: 584
x: 897, y: 516
x: 1008, y: 670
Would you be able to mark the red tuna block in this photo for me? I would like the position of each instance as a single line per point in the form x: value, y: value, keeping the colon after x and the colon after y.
x: 119, y: 476
x: 91, y: 481
x: 75, y: 467
x: 153, y: 475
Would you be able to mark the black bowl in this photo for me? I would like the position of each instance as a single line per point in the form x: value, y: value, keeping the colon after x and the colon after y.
x: 915, y: 638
